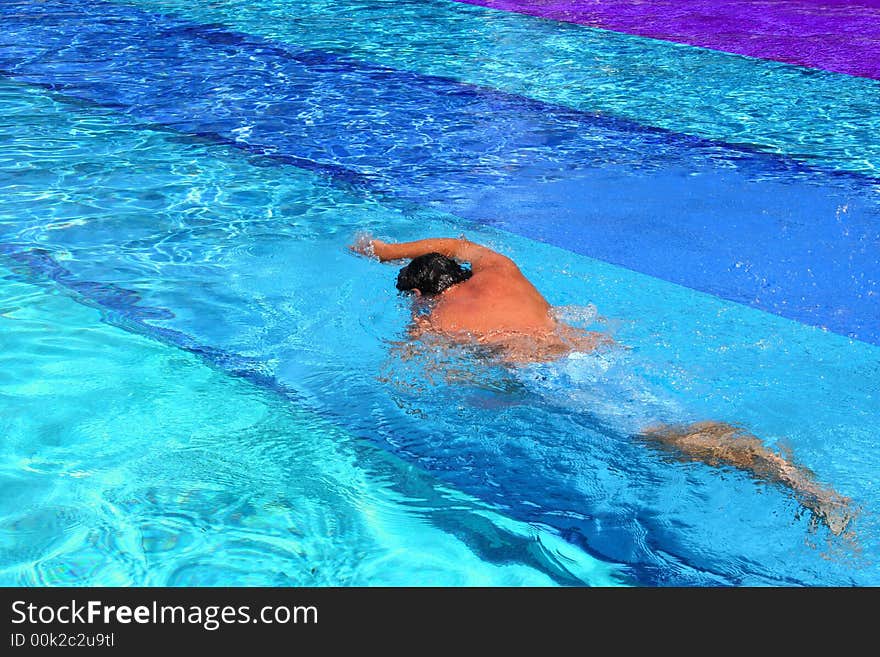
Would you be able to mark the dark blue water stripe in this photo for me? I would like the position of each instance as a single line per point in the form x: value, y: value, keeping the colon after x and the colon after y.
x: 756, y: 229
x: 333, y: 171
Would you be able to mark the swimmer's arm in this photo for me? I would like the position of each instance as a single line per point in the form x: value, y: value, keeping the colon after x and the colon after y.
x: 480, y: 257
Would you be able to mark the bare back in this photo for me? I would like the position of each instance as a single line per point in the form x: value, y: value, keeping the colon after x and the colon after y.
x: 497, y: 305
x: 496, y: 299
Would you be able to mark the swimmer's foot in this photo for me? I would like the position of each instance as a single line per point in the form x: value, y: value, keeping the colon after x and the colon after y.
x: 832, y: 509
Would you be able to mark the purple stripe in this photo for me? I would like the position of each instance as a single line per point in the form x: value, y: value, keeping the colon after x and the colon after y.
x: 836, y: 35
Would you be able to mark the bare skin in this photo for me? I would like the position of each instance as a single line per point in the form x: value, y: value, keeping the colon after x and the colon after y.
x: 499, y: 306
x: 718, y: 443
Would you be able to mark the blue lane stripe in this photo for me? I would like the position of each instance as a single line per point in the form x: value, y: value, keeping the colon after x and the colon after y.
x: 123, y: 308
x: 337, y: 173
x: 756, y: 229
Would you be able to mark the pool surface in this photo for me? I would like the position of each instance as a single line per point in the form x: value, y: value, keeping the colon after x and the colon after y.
x: 200, y: 385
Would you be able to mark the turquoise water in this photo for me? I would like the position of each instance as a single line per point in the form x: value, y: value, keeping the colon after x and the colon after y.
x: 202, y: 386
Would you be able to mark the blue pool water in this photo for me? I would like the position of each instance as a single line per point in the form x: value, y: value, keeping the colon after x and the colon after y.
x: 202, y: 386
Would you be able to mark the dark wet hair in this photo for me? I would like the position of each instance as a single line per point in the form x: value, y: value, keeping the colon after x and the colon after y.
x: 431, y: 274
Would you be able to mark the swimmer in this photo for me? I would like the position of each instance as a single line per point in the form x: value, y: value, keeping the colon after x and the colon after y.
x: 492, y: 303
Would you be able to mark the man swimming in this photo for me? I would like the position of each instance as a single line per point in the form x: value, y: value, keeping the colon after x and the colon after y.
x: 491, y: 303
x: 494, y: 304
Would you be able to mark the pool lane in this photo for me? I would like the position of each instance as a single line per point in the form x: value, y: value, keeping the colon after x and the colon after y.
x: 836, y: 35
x: 756, y: 229
x: 137, y: 475
x: 813, y: 115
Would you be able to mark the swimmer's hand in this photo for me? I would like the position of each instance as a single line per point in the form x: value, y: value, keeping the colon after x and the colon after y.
x: 367, y: 246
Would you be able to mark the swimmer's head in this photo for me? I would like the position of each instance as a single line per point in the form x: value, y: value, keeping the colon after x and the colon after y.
x: 431, y: 273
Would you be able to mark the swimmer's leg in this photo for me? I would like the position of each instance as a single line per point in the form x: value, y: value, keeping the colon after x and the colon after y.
x: 717, y: 443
